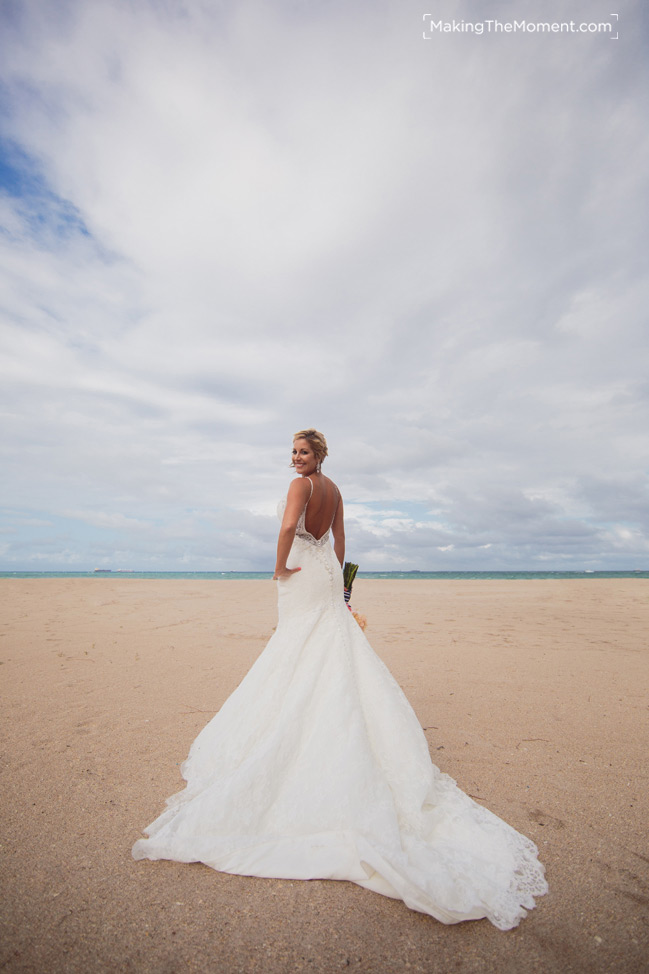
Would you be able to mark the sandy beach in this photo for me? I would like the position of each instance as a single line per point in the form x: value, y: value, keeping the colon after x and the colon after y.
x: 533, y: 695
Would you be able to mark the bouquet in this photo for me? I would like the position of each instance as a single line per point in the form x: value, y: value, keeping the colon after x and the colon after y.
x: 349, y: 574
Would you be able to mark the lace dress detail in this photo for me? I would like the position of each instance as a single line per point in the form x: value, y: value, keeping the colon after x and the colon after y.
x: 317, y: 768
x: 301, y: 532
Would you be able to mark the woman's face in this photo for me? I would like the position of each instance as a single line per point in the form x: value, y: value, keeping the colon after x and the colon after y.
x: 304, y: 457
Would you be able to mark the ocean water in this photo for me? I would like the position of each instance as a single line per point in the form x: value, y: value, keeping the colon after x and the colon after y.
x: 391, y: 576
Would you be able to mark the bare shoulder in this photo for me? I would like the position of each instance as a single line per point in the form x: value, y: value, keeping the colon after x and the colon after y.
x: 299, y: 486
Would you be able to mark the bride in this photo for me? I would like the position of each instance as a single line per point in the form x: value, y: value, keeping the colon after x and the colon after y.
x: 316, y: 766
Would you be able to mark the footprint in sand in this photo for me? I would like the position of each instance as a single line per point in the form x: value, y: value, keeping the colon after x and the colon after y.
x: 542, y: 818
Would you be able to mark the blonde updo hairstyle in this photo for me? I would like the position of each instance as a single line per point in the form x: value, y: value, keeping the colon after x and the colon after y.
x: 316, y: 441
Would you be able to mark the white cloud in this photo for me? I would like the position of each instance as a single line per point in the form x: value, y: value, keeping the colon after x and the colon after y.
x: 235, y: 220
x: 107, y: 519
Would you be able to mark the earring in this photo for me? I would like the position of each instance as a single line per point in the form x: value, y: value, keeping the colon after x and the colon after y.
x: 317, y: 467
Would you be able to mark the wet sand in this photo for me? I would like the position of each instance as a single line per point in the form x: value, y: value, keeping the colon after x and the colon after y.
x: 533, y: 695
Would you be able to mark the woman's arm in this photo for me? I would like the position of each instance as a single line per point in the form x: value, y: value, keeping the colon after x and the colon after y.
x: 338, y: 529
x: 298, y: 494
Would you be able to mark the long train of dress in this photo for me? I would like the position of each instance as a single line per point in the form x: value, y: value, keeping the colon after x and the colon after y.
x: 317, y: 768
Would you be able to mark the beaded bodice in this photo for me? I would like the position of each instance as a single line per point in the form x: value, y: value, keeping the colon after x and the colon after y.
x: 301, y: 532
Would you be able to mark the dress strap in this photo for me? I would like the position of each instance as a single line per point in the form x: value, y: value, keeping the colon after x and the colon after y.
x: 311, y: 494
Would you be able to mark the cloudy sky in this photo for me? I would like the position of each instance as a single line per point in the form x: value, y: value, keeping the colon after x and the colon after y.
x: 226, y: 220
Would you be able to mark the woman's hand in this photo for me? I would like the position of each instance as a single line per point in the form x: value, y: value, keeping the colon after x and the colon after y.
x: 285, y: 572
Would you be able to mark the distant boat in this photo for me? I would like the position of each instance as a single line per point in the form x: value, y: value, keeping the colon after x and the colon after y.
x: 124, y: 570
x: 103, y: 569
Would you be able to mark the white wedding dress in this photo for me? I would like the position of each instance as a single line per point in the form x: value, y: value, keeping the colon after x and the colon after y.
x: 317, y: 768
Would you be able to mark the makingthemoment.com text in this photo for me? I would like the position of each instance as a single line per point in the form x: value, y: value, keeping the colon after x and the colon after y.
x: 513, y: 27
